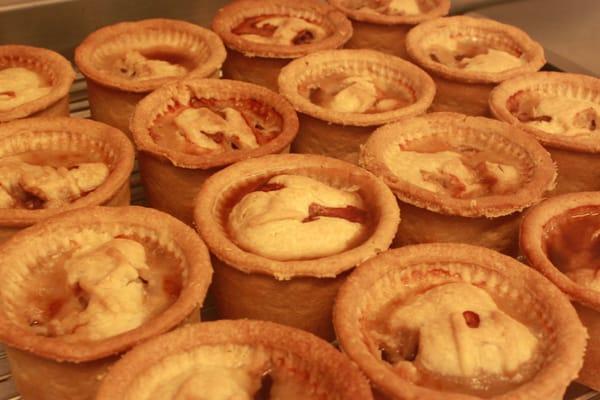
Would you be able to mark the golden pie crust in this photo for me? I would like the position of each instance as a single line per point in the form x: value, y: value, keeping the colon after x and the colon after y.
x: 464, y: 90
x: 51, y: 66
x: 260, y: 62
x: 248, y: 285
x: 533, y: 238
x: 339, y: 134
x: 68, y: 134
x: 490, y: 219
x: 323, y: 371
x: 395, y: 273
x: 166, y: 171
x: 384, y: 32
x: 73, y: 368
x: 113, y: 97
x: 577, y: 157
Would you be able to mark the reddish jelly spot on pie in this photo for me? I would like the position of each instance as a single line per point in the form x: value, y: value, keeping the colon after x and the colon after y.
x: 270, y: 187
x: 303, y: 37
x: 472, y: 319
x: 350, y: 213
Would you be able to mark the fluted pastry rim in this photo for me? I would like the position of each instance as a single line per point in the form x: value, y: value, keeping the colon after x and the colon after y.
x: 441, y: 8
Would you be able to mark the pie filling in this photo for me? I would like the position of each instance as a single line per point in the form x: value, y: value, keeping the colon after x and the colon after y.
x: 554, y: 114
x: 464, y: 172
x: 293, y: 217
x: 151, y: 65
x: 217, y: 125
x: 358, y: 94
x: 225, y: 372
x: 101, y: 288
x: 472, y: 55
x: 455, y: 337
x: 572, y: 243
x: 48, y: 179
x: 19, y: 86
x: 388, y: 7
x: 280, y: 30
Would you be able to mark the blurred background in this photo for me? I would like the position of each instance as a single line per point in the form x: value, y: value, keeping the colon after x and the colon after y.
x: 568, y: 29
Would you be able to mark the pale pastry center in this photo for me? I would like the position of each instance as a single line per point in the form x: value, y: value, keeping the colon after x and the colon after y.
x: 457, y: 330
x: 287, y: 31
x: 211, y: 130
x: 296, y: 217
x: 19, y: 86
x: 586, y: 277
x: 452, y: 173
x: 353, y: 94
x: 134, y: 65
x: 24, y: 185
x: 560, y: 115
x: 474, y: 57
x: 392, y: 7
x: 108, y: 280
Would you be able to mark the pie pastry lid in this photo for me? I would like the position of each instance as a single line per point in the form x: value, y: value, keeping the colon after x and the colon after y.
x: 355, y: 63
x: 233, y: 14
x: 532, y: 243
x: 214, y: 202
x: 462, y: 130
x: 439, y: 9
x: 76, y: 134
x: 30, y: 246
x: 573, y: 86
x: 411, y: 268
x: 51, y: 65
x: 197, y: 43
x: 306, y: 356
x: 487, y: 31
x: 162, y: 100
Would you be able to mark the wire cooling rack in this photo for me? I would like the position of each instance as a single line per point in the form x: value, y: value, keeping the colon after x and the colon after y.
x: 79, y: 107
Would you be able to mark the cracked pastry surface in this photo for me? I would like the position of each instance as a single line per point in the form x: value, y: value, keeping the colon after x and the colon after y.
x: 217, y: 125
x: 555, y: 114
x: 280, y: 30
x: 30, y: 186
x: 241, y: 360
x: 465, y: 174
x: 388, y: 7
x: 19, y: 86
x: 220, y: 373
x: 134, y: 65
x: 357, y: 94
x: 102, y: 286
x: 471, y: 55
x: 455, y: 334
x: 296, y: 210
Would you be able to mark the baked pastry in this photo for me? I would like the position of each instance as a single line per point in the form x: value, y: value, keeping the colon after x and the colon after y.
x: 187, y: 131
x: 383, y: 25
x: 468, y: 56
x: 50, y: 165
x: 285, y: 229
x: 459, y: 178
x: 342, y: 95
x: 34, y: 82
x: 82, y: 287
x: 262, y: 36
x: 124, y: 62
x: 559, y: 239
x: 235, y: 360
x: 562, y: 111
x: 458, y: 322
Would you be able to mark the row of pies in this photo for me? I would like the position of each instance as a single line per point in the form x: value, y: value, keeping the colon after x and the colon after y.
x: 428, y: 321
x: 435, y: 321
